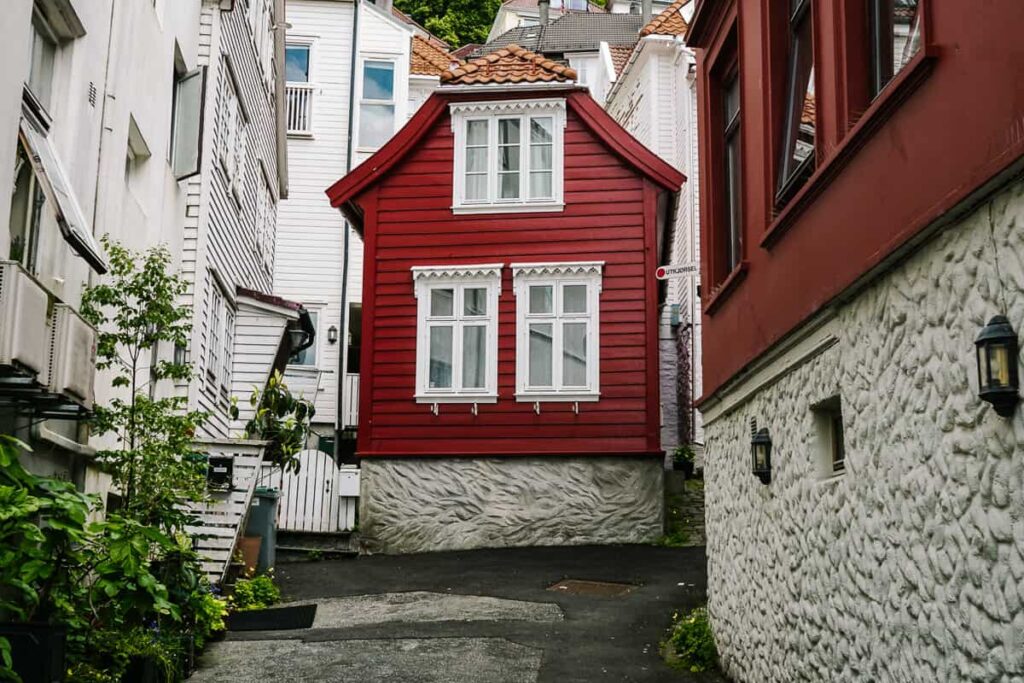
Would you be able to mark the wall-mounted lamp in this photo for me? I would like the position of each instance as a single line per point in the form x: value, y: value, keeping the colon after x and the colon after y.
x: 998, y: 376
x: 761, y: 455
x: 332, y: 334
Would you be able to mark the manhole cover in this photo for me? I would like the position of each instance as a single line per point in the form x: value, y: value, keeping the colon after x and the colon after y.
x: 594, y: 589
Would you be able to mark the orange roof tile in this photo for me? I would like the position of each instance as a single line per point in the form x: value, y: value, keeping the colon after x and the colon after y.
x: 428, y: 59
x: 509, y: 64
x: 620, y: 56
x: 808, y: 116
x: 669, y: 22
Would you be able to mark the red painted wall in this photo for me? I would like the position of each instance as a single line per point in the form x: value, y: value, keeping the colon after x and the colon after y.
x: 609, y: 216
x: 955, y: 123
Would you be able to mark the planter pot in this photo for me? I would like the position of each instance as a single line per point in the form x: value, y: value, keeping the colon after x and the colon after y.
x: 250, y: 547
x: 684, y: 466
x: 142, y: 670
x: 37, y: 650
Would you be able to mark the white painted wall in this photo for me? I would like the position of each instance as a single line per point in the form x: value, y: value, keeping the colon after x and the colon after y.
x: 910, y: 566
x: 310, y: 241
x: 655, y: 100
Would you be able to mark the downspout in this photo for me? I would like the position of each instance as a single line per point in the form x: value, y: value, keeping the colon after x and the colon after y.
x: 339, y: 418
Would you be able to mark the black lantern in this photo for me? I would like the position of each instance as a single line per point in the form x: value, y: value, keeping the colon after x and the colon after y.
x: 761, y: 454
x: 332, y: 334
x: 998, y: 381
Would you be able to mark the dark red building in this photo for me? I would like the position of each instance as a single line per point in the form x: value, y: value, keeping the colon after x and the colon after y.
x: 512, y: 230
x: 862, y: 223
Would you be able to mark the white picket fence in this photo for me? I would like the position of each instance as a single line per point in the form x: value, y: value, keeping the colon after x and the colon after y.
x: 319, y: 498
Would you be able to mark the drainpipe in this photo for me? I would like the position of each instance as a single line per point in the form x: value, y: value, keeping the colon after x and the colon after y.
x: 339, y: 418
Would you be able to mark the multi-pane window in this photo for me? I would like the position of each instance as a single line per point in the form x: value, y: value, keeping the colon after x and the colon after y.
x: 231, y: 134
x: 894, y: 28
x: 557, y: 331
x: 265, y: 220
x: 457, y: 333
x: 508, y: 156
x: 261, y: 20
x: 220, y: 339
x: 798, y: 130
x: 377, y: 104
x: 731, y: 186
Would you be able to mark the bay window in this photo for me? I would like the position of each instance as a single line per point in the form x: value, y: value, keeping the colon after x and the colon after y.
x: 557, y: 331
x: 508, y: 156
x: 457, y: 333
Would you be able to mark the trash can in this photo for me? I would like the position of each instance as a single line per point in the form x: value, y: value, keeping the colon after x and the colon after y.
x: 263, y: 522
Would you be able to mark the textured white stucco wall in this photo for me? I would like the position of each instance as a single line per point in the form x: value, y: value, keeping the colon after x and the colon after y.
x: 430, y: 504
x: 910, y: 567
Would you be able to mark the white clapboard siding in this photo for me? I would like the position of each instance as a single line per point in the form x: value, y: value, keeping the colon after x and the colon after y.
x: 220, y: 230
x: 655, y: 100
x: 221, y: 519
x: 259, y: 331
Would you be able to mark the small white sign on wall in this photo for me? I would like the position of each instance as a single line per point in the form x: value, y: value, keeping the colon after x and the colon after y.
x: 682, y: 270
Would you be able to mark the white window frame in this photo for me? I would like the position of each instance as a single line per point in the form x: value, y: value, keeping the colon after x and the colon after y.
x: 462, y: 113
x: 231, y: 143
x: 365, y: 101
x: 220, y: 337
x: 316, y: 314
x: 425, y: 280
x: 557, y: 275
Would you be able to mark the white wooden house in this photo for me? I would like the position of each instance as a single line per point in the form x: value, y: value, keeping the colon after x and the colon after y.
x: 339, y: 113
x: 654, y: 97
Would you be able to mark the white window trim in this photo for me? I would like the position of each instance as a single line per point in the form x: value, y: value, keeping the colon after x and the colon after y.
x: 468, y: 111
x: 392, y: 59
x: 314, y: 367
x: 525, y: 275
x: 427, y: 278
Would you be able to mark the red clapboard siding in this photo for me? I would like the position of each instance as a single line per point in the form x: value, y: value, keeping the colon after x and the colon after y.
x: 407, y: 221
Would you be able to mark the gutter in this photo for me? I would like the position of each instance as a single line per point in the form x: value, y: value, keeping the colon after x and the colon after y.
x: 339, y: 409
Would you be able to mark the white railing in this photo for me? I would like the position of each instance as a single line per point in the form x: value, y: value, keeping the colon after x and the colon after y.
x: 351, y: 412
x: 299, y: 98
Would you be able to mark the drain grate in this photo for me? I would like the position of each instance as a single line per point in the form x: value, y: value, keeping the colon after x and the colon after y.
x: 592, y: 589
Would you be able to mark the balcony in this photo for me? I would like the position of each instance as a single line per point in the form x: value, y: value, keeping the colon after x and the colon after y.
x: 299, y: 98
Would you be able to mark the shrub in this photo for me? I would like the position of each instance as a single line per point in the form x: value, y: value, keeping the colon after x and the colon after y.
x: 256, y: 592
x: 691, y: 645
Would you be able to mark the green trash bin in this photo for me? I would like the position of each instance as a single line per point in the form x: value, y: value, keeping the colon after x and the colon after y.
x: 263, y: 522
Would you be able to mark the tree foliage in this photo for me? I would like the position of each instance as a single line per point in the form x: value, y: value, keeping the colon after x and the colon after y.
x: 135, y: 309
x: 457, y: 22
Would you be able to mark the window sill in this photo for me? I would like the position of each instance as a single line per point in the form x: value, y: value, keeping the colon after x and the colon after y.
x: 561, y: 397
x: 301, y: 134
x: 461, y: 398
x: 727, y: 287
x: 832, y: 478
x: 881, y: 109
x: 302, y: 369
x: 508, y: 208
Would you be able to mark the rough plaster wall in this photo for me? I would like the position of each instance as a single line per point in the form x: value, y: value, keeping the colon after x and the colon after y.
x: 430, y: 504
x: 910, y: 567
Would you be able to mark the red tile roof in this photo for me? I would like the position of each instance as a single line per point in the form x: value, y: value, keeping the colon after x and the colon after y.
x: 620, y: 56
x: 669, y: 22
x: 429, y: 59
x: 809, y: 114
x: 509, y: 64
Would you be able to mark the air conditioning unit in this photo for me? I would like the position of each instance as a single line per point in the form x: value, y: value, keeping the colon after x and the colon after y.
x: 73, y: 357
x: 24, y: 323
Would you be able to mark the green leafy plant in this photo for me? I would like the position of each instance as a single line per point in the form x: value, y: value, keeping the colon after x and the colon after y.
x: 691, y: 644
x: 282, y: 419
x: 256, y: 592
x: 135, y: 309
x: 683, y: 454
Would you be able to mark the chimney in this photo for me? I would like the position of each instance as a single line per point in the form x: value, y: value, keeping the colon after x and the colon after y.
x: 544, y: 8
x: 647, y: 11
x: 384, y: 4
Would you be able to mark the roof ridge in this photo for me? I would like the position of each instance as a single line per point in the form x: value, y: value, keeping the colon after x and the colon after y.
x: 503, y: 65
x: 668, y: 22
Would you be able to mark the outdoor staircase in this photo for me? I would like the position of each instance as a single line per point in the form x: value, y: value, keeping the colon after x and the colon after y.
x: 222, y: 519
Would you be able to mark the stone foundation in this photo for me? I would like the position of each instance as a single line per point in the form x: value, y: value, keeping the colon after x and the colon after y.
x: 910, y: 566
x: 414, y: 505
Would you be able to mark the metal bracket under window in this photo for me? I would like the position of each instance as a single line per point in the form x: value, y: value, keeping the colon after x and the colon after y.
x: 475, y: 409
x: 576, y: 407
x: 434, y: 408
x: 536, y: 407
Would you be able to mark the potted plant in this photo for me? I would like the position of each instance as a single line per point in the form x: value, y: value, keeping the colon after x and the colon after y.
x: 683, y: 459
x: 41, y: 533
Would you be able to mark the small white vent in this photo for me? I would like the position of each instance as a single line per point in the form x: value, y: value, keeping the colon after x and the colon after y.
x: 23, y: 322
x: 73, y: 359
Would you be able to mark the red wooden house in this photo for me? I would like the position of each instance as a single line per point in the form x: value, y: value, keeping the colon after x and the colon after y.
x: 510, y: 362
